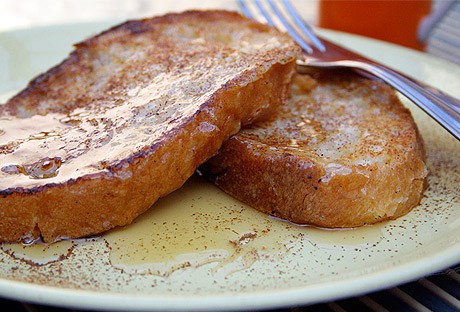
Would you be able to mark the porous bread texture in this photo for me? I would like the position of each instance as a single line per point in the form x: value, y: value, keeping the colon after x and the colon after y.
x: 343, y: 152
x: 129, y: 116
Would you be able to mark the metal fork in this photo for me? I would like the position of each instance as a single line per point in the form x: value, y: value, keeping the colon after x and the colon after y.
x: 321, y: 53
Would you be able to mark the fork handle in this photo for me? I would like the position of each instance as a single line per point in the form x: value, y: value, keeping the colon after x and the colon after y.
x: 438, y: 105
x: 441, y: 107
x: 431, y: 92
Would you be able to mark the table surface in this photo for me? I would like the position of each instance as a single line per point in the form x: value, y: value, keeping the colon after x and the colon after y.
x: 437, y: 292
x: 443, y: 41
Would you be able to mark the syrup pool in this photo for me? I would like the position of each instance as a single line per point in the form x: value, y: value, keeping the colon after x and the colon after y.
x: 38, y: 253
x: 199, y: 225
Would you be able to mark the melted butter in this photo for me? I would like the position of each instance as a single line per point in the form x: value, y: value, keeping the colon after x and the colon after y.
x: 39, y: 253
x: 199, y: 224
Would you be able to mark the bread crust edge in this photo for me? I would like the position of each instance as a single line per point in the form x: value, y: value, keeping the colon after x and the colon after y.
x: 291, y: 187
x: 93, y: 204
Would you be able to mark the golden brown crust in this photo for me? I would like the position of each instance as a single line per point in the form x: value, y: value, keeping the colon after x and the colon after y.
x: 118, y: 189
x: 343, y: 152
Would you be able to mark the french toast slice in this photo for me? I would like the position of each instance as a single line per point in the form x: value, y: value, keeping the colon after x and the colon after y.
x: 129, y: 116
x: 343, y: 152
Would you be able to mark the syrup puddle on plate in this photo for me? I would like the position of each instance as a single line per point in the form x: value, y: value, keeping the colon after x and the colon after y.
x: 197, y: 225
x: 200, y: 224
x: 38, y: 253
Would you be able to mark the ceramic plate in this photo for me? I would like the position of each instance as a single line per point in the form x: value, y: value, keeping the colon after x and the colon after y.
x: 199, y: 249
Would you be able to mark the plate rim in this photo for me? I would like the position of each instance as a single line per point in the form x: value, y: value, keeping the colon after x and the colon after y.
x: 290, y: 297
x: 319, y: 292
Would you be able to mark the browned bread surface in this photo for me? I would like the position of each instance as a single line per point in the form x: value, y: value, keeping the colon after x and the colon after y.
x: 129, y: 116
x: 343, y: 152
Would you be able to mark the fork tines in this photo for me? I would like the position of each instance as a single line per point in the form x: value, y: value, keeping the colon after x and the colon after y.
x: 286, y: 18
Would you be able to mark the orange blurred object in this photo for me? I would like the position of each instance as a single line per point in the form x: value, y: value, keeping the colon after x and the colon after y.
x: 394, y: 21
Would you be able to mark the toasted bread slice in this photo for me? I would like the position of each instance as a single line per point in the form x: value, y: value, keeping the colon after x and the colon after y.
x: 129, y: 116
x: 343, y: 152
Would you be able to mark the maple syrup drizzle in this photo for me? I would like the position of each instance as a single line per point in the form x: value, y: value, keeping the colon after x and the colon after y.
x: 199, y: 225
